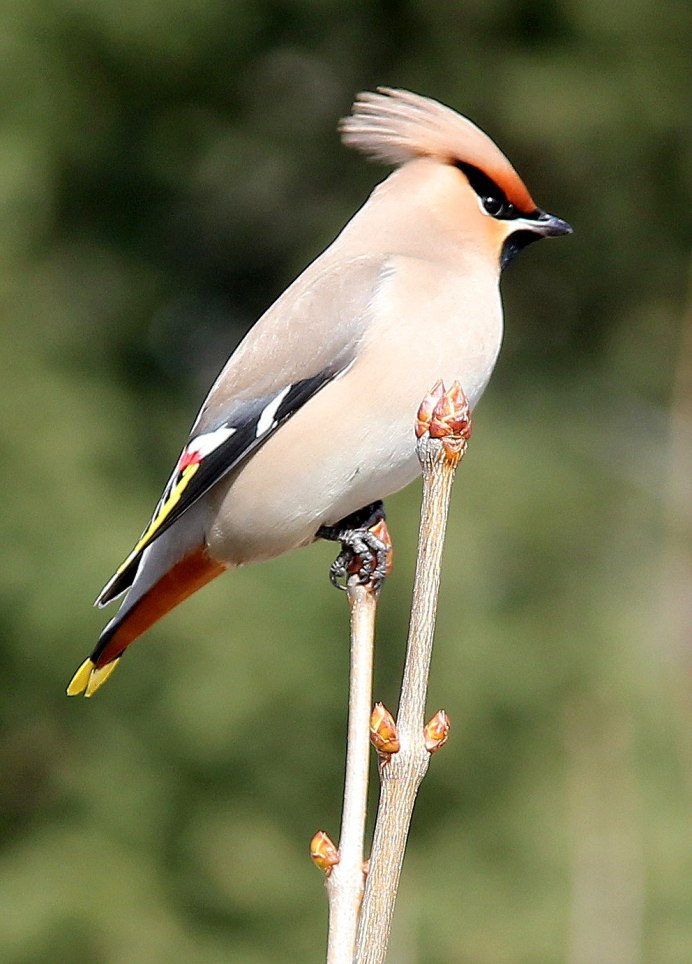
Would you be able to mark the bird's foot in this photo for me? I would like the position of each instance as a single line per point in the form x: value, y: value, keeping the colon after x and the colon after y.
x: 366, y: 548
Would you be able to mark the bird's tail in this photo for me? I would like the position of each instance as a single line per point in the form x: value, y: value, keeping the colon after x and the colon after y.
x: 140, y: 612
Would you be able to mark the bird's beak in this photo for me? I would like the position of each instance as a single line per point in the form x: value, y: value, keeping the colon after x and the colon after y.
x: 525, y: 231
x: 547, y: 225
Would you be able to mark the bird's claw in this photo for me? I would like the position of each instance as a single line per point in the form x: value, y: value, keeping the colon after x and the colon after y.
x: 366, y: 548
x: 363, y: 554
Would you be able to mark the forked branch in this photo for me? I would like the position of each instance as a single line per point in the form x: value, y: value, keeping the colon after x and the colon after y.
x: 443, y: 429
x: 356, y: 933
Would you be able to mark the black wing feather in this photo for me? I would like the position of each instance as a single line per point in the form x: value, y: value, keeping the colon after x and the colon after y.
x: 181, y: 492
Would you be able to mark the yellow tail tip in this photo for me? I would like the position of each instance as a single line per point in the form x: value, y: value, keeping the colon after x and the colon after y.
x: 79, y: 681
x: 99, y: 676
x: 88, y: 679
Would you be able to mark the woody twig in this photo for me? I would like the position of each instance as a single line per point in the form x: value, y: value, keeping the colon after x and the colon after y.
x: 443, y: 429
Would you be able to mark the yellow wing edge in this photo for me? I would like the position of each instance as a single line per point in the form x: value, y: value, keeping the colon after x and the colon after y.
x: 159, y: 517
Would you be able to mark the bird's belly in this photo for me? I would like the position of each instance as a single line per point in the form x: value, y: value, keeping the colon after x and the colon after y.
x: 280, y: 500
x: 319, y: 467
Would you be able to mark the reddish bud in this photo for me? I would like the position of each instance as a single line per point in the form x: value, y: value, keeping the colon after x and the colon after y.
x: 323, y: 852
x: 446, y: 415
x: 427, y: 406
x: 452, y: 415
x: 384, y: 735
x: 436, y: 731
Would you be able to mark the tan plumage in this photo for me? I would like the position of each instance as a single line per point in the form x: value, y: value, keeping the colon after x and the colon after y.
x: 395, y: 126
x: 406, y: 294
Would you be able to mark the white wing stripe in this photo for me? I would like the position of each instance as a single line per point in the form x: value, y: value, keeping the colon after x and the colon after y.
x: 266, y: 419
x: 204, y: 444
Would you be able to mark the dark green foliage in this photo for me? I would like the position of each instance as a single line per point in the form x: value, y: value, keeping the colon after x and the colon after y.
x: 166, y: 168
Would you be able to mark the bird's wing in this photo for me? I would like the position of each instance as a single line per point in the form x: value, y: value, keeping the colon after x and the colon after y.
x: 207, y: 458
x: 234, y: 419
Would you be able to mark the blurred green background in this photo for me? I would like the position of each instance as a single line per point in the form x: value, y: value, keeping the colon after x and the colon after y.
x: 166, y: 168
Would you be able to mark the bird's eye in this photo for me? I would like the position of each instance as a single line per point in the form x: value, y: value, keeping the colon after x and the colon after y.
x: 498, y: 207
x: 490, y: 195
x: 493, y: 206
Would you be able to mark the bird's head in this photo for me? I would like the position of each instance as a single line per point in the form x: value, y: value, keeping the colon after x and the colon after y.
x: 477, y: 184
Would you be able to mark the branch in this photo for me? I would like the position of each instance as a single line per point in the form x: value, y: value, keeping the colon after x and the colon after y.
x: 443, y: 429
x: 345, y: 882
x: 344, y: 866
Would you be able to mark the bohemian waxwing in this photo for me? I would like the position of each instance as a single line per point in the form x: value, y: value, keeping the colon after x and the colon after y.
x: 312, y: 417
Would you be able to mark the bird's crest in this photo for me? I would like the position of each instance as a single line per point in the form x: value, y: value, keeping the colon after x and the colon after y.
x: 396, y: 126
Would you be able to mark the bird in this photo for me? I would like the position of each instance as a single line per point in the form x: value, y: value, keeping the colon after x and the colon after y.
x: 309, y: 425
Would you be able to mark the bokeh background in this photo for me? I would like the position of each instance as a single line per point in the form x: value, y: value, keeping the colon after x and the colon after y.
x: 166, y: 168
